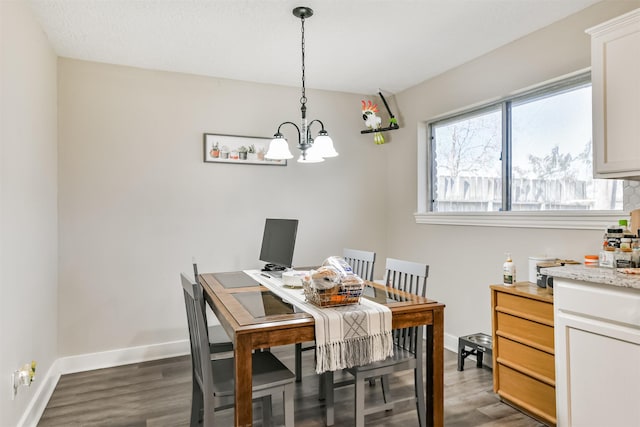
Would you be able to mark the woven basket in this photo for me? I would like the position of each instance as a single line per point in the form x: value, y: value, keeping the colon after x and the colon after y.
x: 344, y: 294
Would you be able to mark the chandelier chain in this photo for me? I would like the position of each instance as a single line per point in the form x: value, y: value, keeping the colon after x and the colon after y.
x: 303, y: 99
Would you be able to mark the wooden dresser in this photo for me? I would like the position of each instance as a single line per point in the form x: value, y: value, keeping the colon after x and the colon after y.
x: 523, y: 349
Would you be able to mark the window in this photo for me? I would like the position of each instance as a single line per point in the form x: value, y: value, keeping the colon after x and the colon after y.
x: 531, y: 152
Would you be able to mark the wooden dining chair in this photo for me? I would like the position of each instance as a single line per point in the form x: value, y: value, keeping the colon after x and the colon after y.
x: 219, y: 342
x: 213, y: 382
x: 409, y: 277
x: 362, y: 263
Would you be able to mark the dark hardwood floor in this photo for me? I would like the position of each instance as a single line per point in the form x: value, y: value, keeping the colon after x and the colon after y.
x: 158, y: 393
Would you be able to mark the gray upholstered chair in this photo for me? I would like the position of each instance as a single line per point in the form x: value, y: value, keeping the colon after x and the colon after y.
x: 409, y: 277
x: 362, y: 263
x: 213, y: 381
x: 219, y: 342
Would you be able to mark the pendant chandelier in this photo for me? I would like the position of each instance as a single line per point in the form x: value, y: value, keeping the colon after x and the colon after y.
x: 312, y: 150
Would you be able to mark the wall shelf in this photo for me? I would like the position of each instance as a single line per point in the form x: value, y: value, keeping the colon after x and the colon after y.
x: 393, y: 122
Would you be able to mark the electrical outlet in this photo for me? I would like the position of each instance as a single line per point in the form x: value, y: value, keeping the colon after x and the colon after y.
x: 22, y: 377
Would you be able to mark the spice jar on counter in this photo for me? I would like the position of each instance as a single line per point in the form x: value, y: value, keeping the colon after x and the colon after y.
x: 623, y: 258
x: 607, y: 257
x: 591, y: 260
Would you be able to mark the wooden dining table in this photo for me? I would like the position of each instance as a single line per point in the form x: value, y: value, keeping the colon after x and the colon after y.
x: 256, y: 318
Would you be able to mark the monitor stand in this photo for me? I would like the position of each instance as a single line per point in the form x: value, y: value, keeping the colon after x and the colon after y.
x: 274, y: 267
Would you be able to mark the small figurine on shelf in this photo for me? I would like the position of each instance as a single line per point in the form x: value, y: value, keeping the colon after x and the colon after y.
x: 372, y: 121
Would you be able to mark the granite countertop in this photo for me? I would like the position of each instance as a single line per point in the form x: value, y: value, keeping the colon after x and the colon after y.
x: 607, y: 276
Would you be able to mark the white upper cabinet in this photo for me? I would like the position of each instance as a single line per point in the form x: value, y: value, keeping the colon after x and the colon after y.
x: 615, y: 74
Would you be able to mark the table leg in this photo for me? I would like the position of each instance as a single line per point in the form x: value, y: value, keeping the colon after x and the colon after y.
x: 243, y: 378
x: 435, y: 370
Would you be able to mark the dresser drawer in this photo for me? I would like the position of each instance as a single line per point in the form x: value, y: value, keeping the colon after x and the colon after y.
x: 526, y: 331
x: 531, y: 308
x: 536, y: 363
x: 530, y: 394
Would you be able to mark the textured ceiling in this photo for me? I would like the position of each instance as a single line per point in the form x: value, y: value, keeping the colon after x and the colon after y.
x: 354, y: 46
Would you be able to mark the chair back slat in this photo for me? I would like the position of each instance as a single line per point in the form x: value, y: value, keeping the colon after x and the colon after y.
x: 199, y: 340
x: 203, y: 304
x: 362, y: 262
x: 408, y: 277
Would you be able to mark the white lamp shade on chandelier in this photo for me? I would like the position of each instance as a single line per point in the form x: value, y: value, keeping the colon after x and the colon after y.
x: 278, y: 150
x: 323, y: 144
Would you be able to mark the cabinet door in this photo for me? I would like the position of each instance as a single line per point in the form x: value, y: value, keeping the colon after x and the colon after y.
x: 615, y: 74
x: 597, y: 372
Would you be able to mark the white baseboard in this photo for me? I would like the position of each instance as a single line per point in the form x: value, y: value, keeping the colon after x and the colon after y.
x: 123, y: 356
x: 451, y: 342
x: 91, y: 361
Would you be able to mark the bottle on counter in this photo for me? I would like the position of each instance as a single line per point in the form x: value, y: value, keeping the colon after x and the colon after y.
x: 613, y: 235
x: 635, y: 252
x: 509, y: 271
x: 624, y: 224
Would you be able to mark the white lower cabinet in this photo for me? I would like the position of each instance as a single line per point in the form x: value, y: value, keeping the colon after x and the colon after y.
x: 597, y: 344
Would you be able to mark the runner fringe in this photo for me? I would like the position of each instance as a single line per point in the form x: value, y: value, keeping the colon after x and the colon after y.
x: 353, y: 352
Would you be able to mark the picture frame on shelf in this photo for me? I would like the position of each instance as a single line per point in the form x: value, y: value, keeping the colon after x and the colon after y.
x: 237, y: 149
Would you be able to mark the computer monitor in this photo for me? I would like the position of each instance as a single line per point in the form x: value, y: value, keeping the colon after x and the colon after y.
x: 278, y: 241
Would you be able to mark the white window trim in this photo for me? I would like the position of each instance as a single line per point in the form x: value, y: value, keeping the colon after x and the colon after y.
x: 576, y: 220
x: 568, y: 220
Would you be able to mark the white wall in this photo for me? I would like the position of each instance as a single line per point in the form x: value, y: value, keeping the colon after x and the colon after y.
x: 466, y: 260
x: 137, y: 201
x: 28, y: 204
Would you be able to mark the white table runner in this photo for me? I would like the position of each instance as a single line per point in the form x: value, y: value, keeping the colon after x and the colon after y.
x: 346, y: 336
